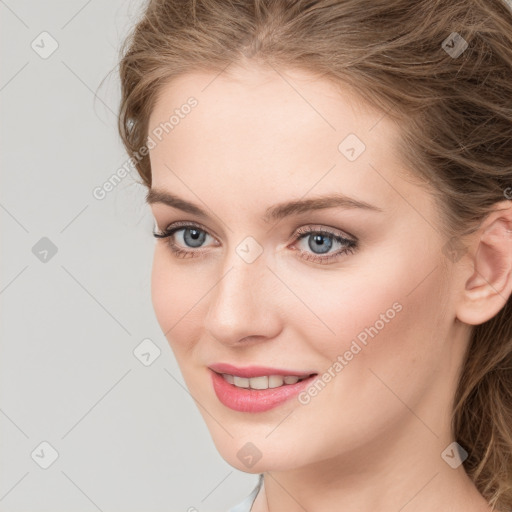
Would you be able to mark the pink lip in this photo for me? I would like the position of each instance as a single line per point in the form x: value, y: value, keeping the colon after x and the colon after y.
x: 255, y: 400
x: 255, y: 371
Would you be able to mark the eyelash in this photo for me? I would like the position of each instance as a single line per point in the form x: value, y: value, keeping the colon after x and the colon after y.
x: 349, y: 245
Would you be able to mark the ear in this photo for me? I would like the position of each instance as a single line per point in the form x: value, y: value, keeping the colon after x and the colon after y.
x: 487, y: 281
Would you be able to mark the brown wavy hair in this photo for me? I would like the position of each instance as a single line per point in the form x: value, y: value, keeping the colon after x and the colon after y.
x: 454, y: 110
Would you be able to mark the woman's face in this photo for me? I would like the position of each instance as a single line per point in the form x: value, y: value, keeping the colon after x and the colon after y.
x: 367, y: 306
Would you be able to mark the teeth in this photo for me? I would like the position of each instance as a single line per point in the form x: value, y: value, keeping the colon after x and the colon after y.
x: 274, y: 381
x: 258, y: 382
x: 264, y: 382
x: 241, y: 382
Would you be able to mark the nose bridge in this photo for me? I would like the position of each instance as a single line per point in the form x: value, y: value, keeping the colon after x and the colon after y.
x: 240, y: 305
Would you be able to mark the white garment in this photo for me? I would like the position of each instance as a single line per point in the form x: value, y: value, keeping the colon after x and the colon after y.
x: 246, y: 504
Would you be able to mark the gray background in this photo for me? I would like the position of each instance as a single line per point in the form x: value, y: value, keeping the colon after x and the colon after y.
x: 128, y: 435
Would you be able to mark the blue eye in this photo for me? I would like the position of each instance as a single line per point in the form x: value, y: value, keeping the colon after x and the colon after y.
x: 321, y: 241
x: 193, y: 236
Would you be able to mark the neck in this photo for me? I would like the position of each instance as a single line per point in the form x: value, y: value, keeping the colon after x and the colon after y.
x: 405, y: 474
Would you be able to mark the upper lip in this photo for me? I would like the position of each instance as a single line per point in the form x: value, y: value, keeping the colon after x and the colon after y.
x: 255, y: 371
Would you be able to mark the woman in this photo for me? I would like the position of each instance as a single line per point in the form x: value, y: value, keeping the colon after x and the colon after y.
x: 331, y: 183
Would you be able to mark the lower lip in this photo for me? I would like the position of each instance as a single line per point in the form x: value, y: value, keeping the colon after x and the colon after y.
x: 255, y: 400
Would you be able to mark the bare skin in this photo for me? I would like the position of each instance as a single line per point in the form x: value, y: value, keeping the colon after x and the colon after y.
x: 373, y: 437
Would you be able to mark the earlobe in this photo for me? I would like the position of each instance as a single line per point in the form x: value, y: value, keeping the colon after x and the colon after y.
x: 489, y: 286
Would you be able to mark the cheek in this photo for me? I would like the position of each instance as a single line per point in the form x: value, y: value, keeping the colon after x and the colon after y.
x: 384, y: 323
x: 175, y: 294
x: 377, y: 319
x: 405, y: 357
x: 162, y: 285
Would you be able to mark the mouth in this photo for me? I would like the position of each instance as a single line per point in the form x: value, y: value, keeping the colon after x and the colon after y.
x: 264, y: 381
x: 257, y: 393
x: 249, y: 372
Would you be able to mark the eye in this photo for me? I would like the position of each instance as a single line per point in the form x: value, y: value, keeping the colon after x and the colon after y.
x: 321, y: 241
x: 189, y: 235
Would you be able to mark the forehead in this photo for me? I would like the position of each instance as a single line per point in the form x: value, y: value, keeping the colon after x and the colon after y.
x: 257, y: 97
x: 260, y: 128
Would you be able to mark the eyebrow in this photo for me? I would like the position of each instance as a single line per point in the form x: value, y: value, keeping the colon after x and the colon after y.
x: 272, y: 213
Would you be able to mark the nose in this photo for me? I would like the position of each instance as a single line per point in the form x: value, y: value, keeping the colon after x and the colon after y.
x: 243, y: 303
